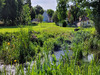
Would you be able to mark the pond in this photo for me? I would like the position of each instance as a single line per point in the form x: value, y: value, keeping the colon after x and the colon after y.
x: 58, y: 54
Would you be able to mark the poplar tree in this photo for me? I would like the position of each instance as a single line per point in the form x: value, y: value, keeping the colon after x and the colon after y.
x: 9, y: 12
x: 61, y: 9
x: 1, y: 6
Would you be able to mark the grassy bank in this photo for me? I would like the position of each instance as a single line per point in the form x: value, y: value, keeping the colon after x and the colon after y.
x: 22, y: 44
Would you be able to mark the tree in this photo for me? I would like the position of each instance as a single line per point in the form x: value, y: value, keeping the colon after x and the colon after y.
x: 28, y: 2
x: 50, y: 12
x: 19, y: 11
x: 16, y: 12
x: 74, y: 12
x: 61, y: 9
x: 95, y: 11
x: 33, y: 13
x: 96, y: 14
x: 1, y: 6
x: 26, y: 14
x: 39, y: 10
x: 9, y: 12
x: 55, y: 17
x: 40, y: 17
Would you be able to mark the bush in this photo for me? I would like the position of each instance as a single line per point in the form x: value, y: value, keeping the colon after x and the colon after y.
x: 35, y: 22
x: 17, y: 46
x: 93, y: 42
x: 62, y: 23
x: 80, y: 36
x: 40, y: 17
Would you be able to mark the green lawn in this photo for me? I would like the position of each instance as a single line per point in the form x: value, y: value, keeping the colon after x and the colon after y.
x: 48, y: 27
x: 39, y: 27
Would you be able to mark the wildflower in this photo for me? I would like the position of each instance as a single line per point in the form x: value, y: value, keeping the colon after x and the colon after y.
x: 15, y: 60
x: 8, y: 43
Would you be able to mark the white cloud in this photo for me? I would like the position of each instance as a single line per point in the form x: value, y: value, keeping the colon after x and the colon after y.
x: 46, y: 4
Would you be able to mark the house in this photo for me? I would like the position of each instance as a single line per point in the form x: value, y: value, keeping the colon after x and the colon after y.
x: 46, y: 17
x: 83, y: 21
x: 84, y: 18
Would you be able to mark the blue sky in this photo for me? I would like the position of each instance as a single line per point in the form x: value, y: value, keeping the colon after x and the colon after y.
x: 46, y: 4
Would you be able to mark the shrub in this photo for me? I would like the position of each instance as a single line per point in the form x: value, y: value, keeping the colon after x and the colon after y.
x: 80, y: 36
x: 40, y: 17
x: 18, y: 46
x: 63, y: 23
x: 93, y: 42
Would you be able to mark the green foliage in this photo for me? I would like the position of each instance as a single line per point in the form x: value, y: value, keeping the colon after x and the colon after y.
x: 63, y: 67
x: 17, y: 46
x: 55, y: 17
x: 95, y: 11
x: 28, y: 2
x: 26, y: 15
x: 19, y: 11
x: 38, y: 10
x: 50, y: 12
x: 11, y: 14
x: 74, y: 11
x: 49, y: 45
x: 26, y: 44
x: 62, y: 23
x: 40, y: 17
x: 1, y: 6
x: 92, y: 43
x: 61, y: 9
x: 33, y: 13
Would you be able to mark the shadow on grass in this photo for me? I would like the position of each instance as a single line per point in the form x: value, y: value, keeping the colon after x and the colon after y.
x: 18, y: 26
x: 1, y: 27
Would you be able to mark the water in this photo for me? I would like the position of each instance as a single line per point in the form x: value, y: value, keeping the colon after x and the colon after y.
x: 88, y: 58
x: 61, y: 53
x: 58, y: 55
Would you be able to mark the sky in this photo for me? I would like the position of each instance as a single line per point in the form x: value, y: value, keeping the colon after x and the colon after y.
x: 46, y: 4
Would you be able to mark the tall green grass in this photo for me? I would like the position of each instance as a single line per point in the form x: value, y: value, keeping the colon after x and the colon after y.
x: 65, y: 67
x: 21, y: 46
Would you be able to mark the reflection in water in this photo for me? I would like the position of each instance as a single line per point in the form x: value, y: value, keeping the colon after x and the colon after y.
x: 88, y: 58
x: 58, y: 54
x: 61, y: 53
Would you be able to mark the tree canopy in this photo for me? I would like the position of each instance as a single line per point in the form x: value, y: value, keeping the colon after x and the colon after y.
x: 40, y: 17
x: 11, y: 11
x: 1, y: 6
x: 94, y: 6
x: 33, y: 13
x: 50, y: 12
x: 38, y: 10
x: 61, y: 9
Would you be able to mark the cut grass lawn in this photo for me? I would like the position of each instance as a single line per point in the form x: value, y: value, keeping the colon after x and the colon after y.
x: 40, y: 27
